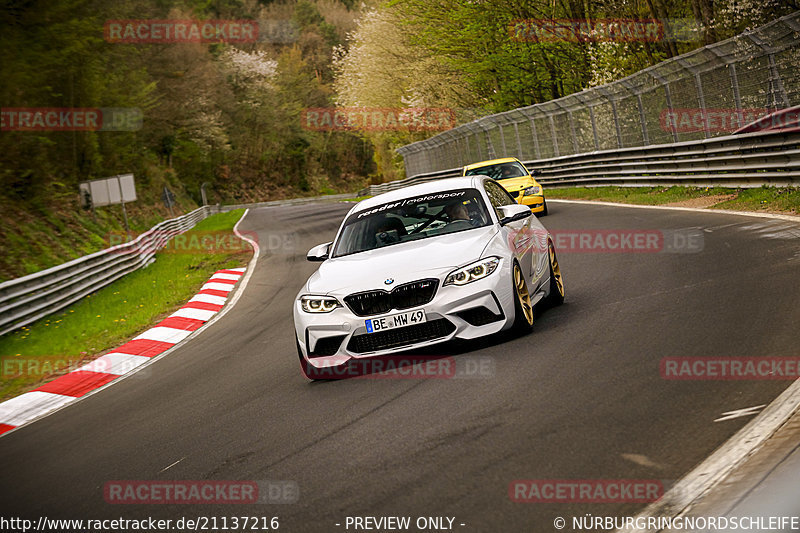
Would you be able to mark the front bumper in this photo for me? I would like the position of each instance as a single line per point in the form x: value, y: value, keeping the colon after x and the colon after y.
x: 535, y: 202
x: 480, y: 308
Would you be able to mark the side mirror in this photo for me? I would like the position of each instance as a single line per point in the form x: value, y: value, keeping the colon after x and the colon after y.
x: 319, y: 253
x: 512, y: 213
x: 536, y: 172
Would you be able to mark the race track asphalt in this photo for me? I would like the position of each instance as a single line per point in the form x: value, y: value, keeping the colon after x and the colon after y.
x: 581, y: 397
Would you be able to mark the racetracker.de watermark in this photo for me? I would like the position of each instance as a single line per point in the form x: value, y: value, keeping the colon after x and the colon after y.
x: 193, y: 242
x: 152, y: 31
x: 70, y: 119
x: 726, y: 120
x: 37, y: 367
x: 671, y: 241
x: 730, y: 368
x: 203, y: 492
x: 585, y: 490
x: 619, y: 30
x: 407, y: 367
x: 378, y: 119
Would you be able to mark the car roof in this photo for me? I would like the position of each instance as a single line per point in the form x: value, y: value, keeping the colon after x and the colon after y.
x: 492, y: 162
x: 421, y: 189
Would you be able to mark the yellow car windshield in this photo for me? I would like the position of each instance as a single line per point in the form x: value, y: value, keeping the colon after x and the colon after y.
x: 499, y: 171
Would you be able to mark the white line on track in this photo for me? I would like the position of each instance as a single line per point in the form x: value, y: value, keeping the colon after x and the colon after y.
x: 170, y: 466
x: 738, y: 413
x: 745, y: 442
x: 791, y: 218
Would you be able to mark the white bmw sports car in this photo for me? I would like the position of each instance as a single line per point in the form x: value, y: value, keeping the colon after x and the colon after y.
x: 455, y: 258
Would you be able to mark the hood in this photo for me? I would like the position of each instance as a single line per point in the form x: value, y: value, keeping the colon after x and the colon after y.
x: 432, y: 257
x: 515, y: 184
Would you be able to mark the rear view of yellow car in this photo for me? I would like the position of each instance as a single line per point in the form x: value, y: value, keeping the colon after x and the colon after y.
x: 514, y: 178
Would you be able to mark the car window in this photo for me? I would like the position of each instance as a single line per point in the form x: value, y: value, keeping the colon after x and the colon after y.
x: 499, y: 171
x: 412, y: 219
x: 498, y: 196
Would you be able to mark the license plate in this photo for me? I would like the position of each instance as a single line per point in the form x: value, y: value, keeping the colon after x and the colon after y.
x: 395, y: 321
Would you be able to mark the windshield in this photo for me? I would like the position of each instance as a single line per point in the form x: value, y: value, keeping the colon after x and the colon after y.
x: 412, y: 219
x: 499, y: 171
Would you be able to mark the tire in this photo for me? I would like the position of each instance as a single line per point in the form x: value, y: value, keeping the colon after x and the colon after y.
x: 524, y: 313
x: 544, y: 211
x: 556, y: 295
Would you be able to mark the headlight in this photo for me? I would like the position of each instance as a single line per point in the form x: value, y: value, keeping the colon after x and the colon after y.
x: 318, y: 304
x: 532, y: 190
x: 475, y: 271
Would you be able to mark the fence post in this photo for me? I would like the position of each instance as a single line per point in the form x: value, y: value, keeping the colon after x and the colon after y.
x: 502, y: 139
x: 535, y: 138
x: 668, y: 98
x: 492, y: 154
x: 640, y: 105
x: 594, y: 127
x: 553, y: 133
x: 776, y: 84
x: 519, y: 142
x: 608, y: 97
x: 737, y: 98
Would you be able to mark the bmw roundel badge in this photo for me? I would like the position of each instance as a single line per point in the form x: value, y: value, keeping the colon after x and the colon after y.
x: 388, y: 281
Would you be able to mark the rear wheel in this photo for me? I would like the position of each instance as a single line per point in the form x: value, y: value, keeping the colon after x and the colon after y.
x: 523, y: 310
x: 556, y: 296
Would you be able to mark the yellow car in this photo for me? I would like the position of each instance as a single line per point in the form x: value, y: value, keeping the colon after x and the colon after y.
x: 515, y: 178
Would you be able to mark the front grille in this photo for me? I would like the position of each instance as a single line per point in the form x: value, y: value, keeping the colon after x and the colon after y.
x: 480, y: 316
x: 402, y: 297
x: 514, y: 194
x: 327, y: 346
x: 393, y: 338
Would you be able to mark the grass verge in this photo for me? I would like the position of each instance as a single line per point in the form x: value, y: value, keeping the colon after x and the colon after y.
x: 107, y: 318
x: 784, y: 200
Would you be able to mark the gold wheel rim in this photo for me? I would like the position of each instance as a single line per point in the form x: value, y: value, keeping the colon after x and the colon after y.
x: 556, y: 269
x: 522, y: 295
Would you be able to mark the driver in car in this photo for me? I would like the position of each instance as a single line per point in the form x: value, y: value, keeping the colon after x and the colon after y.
x: 456, y: 211
x: 510, y: 171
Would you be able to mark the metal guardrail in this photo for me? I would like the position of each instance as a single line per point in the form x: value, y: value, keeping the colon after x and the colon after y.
x: 753, y: 73
x: 289, y: 201
x: 770, y: 157
x: 27, y: 299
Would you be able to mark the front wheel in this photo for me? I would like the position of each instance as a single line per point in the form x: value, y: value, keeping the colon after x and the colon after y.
x: 523, y: 310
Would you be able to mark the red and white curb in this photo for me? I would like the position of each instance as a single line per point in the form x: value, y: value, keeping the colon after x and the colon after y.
x: 125, y: 359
